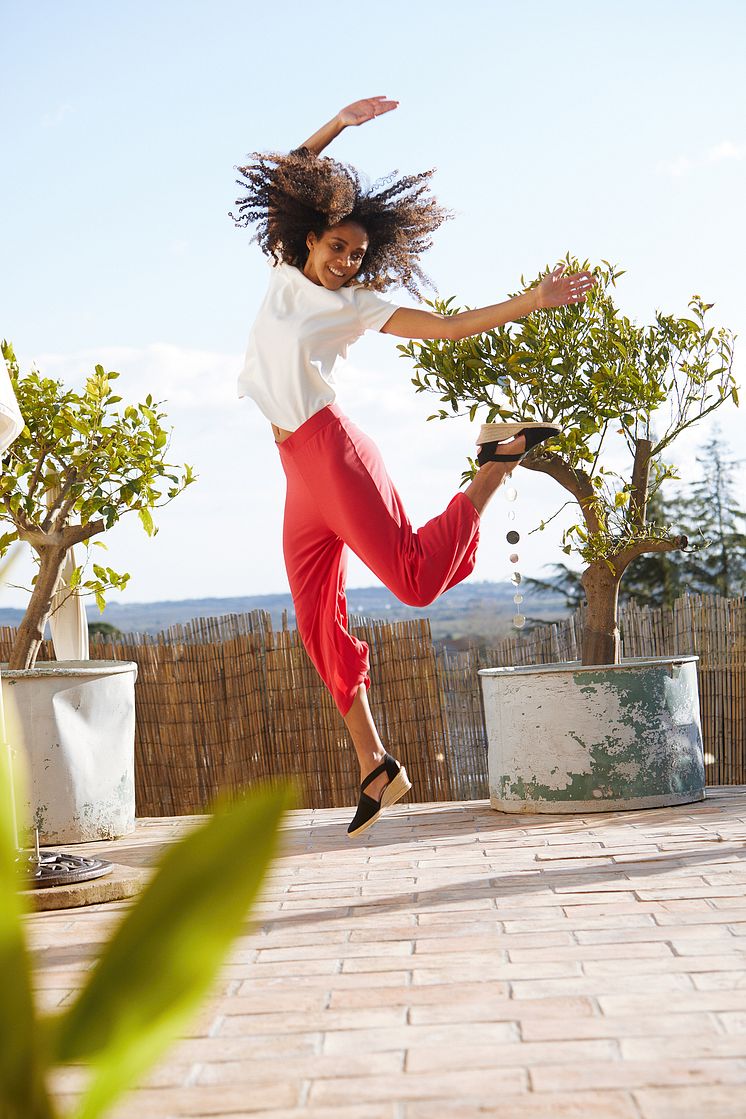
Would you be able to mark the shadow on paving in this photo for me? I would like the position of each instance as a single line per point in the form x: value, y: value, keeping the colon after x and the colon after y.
x: 533, y: 880
x: 428, y: 826
x: 428, y: 823
x: 491, y: 886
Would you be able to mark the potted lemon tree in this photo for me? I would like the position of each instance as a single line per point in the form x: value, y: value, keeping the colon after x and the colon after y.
x: 82, y: 461
x: 604, y: 732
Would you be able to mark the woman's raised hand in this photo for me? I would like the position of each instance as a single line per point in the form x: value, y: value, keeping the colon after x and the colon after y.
x: 361, y: 111
x: 558, y: 289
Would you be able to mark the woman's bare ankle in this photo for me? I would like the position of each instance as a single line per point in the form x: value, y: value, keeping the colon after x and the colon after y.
x: 369, y: 764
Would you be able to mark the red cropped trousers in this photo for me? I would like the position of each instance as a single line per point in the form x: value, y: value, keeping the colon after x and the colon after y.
x: 338, y: 496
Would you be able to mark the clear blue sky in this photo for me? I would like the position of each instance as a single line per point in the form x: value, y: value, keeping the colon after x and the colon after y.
x: 614, y: 130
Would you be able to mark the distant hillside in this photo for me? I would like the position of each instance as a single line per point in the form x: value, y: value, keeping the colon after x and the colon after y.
x: 473, y: 611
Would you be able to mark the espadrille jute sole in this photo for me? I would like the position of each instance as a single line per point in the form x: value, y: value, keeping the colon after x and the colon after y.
x: 497, y: 433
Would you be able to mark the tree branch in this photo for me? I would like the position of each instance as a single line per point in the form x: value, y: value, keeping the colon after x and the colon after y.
x: 574, y: 481
x: 34, y: 480
x: 58, y: 504
x: 623, y: 559
x: 63, y: 538
x: 638, y: 498
x: 676, y: 431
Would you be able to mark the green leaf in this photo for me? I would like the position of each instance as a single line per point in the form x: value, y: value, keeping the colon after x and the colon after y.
x: 23, y: 1094
x: 7, y: 539
x: 147, y: 521
x: 165, y: 955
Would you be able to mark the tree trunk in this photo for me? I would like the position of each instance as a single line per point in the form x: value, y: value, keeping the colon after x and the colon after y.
x: 601, y: 630
x: 31, y: 630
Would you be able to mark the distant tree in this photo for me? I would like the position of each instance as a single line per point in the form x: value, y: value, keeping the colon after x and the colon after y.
x: 707, y: 511
x: 103, y: 629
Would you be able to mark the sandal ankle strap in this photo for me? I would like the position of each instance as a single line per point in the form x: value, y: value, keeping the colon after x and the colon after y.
x: 389, y: 766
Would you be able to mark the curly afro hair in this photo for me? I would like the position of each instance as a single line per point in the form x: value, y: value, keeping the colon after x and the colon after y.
x: 288, y: 196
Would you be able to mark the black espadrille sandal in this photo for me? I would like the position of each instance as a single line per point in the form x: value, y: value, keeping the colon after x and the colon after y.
x: 368, y: 809
x: 492, y: 436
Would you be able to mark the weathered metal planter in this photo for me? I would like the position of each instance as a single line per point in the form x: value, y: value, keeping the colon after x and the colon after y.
x: 568, y: 738
x: 76, y: 722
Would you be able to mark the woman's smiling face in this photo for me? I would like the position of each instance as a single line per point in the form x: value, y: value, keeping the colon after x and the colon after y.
x: 335, y: 256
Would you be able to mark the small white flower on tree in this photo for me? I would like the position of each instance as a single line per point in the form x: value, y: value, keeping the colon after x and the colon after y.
x: 79, y: 464
x: 595, y: 372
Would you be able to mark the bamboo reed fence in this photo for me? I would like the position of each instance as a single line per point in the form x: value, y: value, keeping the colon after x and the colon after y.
x: 222, y: 702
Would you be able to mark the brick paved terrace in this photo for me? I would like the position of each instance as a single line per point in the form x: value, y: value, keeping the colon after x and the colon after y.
x: 456, y: 962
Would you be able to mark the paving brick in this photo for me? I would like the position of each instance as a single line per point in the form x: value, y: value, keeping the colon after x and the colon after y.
x: 693, y: 1102
x: 686, y: 964
x: 706, y: 915
x: 725, y: 981
x: 683, y: 1048
x: 652, y: 950
x: 450, y: 994
x: 599, y: 985
x: 394, y: 948
x: 205, y: 1101
x: 576, y: 1105
x: 733, y: 1022
x: 420, y: 1086
x: 328, y: 981
x: 319, y: 1066
x: 527, y: 1054
x: 702, y: 891
x: 213, y: 1051
x: 653, y: 932
x: 579, y: 921
x: 241, y: 1025
x: 489, y: 943
x: 501, y: 912
x: 262, y: 1001
x: 541, y: 1028
x: 489, y: 965
x: 500, y: 1010
x: 385, y: 1110
x: 408, y: 1037
x: 636, y: 1074
x: 676, y: 1002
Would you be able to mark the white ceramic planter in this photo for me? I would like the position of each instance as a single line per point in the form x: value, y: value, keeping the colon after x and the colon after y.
x: 568, y: 738
x: 76, y: 722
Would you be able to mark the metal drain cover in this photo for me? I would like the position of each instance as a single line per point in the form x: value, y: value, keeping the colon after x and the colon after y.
x: 57, y: 868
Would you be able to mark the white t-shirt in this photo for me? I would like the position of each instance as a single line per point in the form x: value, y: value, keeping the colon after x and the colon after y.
x: 301, y: 332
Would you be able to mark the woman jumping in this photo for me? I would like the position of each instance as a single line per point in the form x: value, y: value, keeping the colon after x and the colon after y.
x: 335, y: 246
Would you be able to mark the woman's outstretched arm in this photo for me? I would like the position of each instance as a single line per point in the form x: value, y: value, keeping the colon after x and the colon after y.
x: 555, y: 290
x: 357, y: 113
